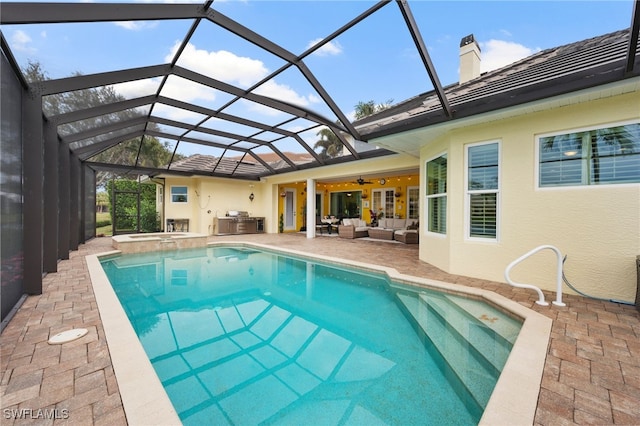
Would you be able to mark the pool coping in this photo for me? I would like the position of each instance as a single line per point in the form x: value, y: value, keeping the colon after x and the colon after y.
x: 513, y: 401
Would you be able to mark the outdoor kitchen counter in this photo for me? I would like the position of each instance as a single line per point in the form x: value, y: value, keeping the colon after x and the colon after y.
x: 238, y: 225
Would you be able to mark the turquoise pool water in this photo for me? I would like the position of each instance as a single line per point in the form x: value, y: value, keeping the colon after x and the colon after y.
x: 241, y: 336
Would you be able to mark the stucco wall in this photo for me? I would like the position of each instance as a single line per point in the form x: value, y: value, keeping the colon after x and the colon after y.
x: 597, y: 227
x: 208, y: 198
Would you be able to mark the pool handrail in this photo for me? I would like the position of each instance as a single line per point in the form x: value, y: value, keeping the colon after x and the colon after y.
x: 541, y: 300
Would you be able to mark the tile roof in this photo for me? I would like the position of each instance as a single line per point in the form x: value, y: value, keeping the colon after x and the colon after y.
x: 548, y: 73
x: 247, y: 166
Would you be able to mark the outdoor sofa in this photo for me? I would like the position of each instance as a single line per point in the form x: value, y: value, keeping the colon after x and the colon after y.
x: 353, y: 228
x: 403, y: 230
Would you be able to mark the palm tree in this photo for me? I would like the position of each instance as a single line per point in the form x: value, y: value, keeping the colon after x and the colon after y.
x: 363, y: 109
x: 329, y: 144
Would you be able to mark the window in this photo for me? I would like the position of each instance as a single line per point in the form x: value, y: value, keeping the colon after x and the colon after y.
x: 383, y: 202
x: 345, y: 204
x: 437, y: 195
x: 483, y: 189
x: 413, y: 198
x: 179, y: 194
x: 592, y: 157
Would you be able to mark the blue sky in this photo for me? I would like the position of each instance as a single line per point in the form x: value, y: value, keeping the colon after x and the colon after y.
x: 376, y: 60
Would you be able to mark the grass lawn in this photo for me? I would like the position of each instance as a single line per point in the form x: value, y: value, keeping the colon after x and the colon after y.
x: 103, y: 230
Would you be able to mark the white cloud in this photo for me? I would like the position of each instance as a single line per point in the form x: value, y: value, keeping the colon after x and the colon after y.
x: 329, y: 49
x: 232, y: 69
x: 498, y: 53
x: 187, y: 90
x: 314, y: 99
x: 137, y: 88
x: 136, y: 25
x: 22, y: 42
x: 221, y: 65
x: 177, y: 114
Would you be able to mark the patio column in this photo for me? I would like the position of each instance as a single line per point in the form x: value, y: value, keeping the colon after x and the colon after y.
x: 74, y: 202
x: 311, y: 208
x: 32, y: 188
x: 64, y: 200
x: 50, y: 237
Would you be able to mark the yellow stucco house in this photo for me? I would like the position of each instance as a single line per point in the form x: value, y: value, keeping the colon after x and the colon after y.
x: 543, y: 151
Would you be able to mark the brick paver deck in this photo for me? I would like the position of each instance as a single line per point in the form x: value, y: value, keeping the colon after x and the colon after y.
x: 591, y: 376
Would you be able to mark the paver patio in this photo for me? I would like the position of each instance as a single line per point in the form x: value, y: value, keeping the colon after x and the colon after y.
x: 591, y: 375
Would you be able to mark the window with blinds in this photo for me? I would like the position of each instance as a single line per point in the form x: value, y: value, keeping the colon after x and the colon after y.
x: 607, y: 155
x: 436, y: 196
x: 483, y: 188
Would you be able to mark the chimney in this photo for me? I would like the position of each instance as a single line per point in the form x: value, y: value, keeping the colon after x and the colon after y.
x: 469, y: 59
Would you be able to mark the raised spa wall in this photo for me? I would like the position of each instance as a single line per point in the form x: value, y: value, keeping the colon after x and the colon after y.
x: 140, y: 243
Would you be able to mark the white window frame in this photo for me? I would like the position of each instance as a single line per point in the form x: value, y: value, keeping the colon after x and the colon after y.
x: 468, y: 193
x: 384, y: 194
x: 428, y: 198
x: 171, y: 194
x: 408, y: 206
x: 567, y: 132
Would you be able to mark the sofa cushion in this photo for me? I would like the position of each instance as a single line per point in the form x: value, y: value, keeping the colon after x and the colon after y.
x: 394, y: 223
x: 385, y: 223
x: 362, y: 228
x: 347, y: 222
x: 399, y: 224
x: 405, y: 231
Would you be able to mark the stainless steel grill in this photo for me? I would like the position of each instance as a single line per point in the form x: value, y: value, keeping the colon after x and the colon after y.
x: 237, y: 213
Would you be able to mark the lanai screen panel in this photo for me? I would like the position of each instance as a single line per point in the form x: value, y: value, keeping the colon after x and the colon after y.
x: 170, y: 112
x: 124, y: 153
x: 233, y: 127
x: 99, y: 121
x: 11, y: 193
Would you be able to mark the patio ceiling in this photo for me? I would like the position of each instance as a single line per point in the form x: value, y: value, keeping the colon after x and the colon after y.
x: 225, y: 138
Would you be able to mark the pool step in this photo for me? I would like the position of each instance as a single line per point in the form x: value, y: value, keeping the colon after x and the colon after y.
x: 459, y: 339
x: 502, y: 324
x: 476, y: 330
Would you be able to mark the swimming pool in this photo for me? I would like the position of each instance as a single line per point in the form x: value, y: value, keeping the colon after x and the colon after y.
x: 316, y: 339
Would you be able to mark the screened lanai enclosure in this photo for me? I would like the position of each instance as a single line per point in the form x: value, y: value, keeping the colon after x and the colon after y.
x: 213, y: 89
x: 139, y: 118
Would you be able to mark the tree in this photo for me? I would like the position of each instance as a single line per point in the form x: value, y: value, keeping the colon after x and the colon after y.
x: 125, y: 214
x: 363, y: 109
x: 102, y: 202
x: 329, y: 144
x: 147, y: 151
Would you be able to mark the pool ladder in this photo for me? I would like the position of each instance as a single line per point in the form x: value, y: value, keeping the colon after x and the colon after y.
x: 541, y: 300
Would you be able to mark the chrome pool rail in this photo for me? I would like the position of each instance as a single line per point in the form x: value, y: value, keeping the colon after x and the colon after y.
x: 541, y: 300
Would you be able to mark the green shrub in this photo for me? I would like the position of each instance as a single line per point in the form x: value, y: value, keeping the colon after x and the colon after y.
x: 102, y: 223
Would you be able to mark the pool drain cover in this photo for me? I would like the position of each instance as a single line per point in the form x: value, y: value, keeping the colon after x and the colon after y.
x: 67, y: 336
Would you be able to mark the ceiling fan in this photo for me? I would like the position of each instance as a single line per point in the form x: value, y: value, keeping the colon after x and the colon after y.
x: 361, y: 181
